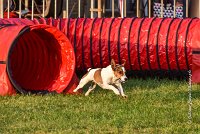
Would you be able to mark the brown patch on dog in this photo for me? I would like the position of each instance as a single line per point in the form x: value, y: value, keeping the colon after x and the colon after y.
x: 113, y: 64
x: 97, y: 76
x: 118, y: 71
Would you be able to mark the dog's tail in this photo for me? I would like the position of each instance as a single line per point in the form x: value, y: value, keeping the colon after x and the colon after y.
x: 89, y: 69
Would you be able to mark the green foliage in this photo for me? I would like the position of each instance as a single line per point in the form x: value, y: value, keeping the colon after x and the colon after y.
x: 152, y: 106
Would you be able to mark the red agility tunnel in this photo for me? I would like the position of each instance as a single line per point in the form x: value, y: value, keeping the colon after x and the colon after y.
x: 35, y: 59
x: 145, y: 43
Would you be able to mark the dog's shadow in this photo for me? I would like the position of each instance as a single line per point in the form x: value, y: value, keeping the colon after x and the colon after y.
x: 196, y: 94
x: 151, y: 84
x: 194, y: 91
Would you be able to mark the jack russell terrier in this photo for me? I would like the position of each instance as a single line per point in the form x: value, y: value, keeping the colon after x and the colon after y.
x: 110, y: 78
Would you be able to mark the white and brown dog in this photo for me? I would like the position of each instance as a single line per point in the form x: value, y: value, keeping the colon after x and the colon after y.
x: 110, y: 78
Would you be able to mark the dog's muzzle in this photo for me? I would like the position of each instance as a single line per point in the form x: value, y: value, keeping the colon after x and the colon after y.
x: 123, y: 80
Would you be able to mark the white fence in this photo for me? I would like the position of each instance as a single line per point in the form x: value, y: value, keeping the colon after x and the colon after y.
x: 100, y: 8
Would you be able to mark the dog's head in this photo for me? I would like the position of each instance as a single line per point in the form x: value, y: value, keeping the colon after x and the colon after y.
x: 119, y: 71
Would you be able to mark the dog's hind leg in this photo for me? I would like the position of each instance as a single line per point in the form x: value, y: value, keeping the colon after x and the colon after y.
x: 82, y: 83
x: 92, y: 87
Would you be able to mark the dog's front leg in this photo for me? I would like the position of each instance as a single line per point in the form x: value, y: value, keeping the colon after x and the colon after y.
x: 111, y: 87
x: 121, y: 90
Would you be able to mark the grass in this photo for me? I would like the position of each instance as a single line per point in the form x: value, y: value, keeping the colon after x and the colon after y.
x: 152, y: 106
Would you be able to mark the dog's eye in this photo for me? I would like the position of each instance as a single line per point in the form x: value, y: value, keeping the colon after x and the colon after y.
x: 121, y: 72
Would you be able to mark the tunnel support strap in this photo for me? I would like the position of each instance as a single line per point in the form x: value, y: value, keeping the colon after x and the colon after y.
x: 195, y: 52
x: 2, y: 62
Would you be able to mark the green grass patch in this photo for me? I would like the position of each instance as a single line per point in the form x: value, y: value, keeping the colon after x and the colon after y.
x: 152, y: 106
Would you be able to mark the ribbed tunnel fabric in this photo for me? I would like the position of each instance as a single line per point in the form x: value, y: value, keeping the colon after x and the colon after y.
x: 36, y: 59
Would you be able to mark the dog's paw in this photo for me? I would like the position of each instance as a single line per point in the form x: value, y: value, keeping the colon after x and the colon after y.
x: 124, y: 96
x: 74, y: 90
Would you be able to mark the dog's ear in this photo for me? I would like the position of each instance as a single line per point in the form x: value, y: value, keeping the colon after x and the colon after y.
x: 113, y: 64
x: 124, y: 62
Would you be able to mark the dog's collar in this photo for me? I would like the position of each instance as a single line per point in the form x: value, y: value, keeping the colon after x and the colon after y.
x: 115, y: 80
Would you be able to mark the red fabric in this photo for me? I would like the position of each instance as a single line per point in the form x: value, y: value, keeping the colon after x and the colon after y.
x: 195, y: 43
x: 11, y: 15
x: 90, y: 46
x: 72, y: 85
x: 196, y: 68
x: 6, y: 41
x: 42, y: 59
